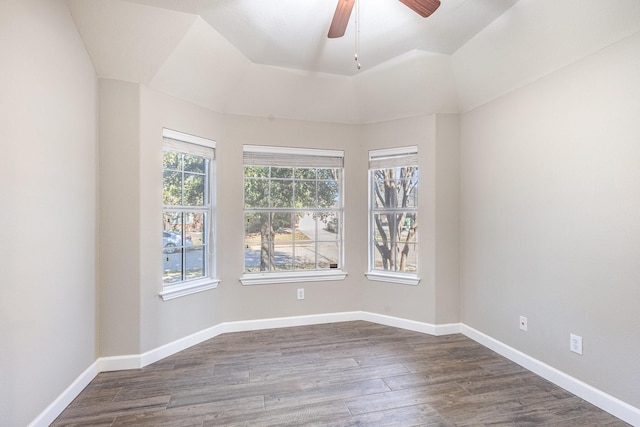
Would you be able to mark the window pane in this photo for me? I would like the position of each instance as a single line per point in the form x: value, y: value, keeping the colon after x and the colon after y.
x: 394, y: 220
x: 408, y: 228
x: 380, y: 262
x: 194, y: 228
x: 281, y: 193
x: 289, y: 240
x: 411, y: 199
x: 305, y: 194
x: 329, y: 174
x: 328, y: 255
x: 305, y: 226
x: 173, y: 224
x: 328, y: 194
x: 329, y: 227
x: 407, y: 258
x: 283, y: 256
x: 256, y: 193
x: 258, y: 242
x: 378, y: 195
x: 194, y: 164
x: 195, y: 260
x: 252, y: 259
x: 305, y: 173
x: 393, y: 226
x: 256, y: 171
x: 185, y: 234
x: 172, y: 160
x: 281, y: 172
x: 172, y: 188
x: 305, y: 255
x: 172, y: 267
x: 253, y: 224
x: 193, y: 190
x: 283, y: 226
x: 381, y: 226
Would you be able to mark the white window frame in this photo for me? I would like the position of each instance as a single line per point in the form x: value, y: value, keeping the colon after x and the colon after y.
x: 195, y: 145
x: 380, y: 159
x: 287, y: 157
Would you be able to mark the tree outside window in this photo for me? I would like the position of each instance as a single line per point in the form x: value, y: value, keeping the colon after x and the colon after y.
x: 393, y: 211
x: 186, y: 212
x: 292, y: 214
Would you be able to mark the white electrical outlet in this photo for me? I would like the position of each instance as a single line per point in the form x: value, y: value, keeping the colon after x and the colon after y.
x: 575, y: 343
x: 523, y: 323
x: 301, y: 293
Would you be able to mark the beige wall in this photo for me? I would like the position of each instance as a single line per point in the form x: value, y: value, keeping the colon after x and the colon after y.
x: 49, y: 207
x: 392, y: 299
x: 546, y: 177
x: 166, y: 321
x: 129, y: 296
x: 446, y: 176
x: 550, y: 230
x: 120, y: 205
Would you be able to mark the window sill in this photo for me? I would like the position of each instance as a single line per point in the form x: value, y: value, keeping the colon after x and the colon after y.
x: 188, y: 288
x: 403, y: 279
x: 294, y: 277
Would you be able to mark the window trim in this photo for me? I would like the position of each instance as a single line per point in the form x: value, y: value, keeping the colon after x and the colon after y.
x: 290, y: 154
x: 393, y: 277
x: 392, y: 156
x: 187, y: 288
x: 298, y: 276
x: 181, y: 142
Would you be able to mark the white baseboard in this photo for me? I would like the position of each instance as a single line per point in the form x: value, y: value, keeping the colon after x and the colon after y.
x: 411, y: 325
x: 136, y: 361
x: 602, y: 400
x: 598, y: 398
x: 52, y: 411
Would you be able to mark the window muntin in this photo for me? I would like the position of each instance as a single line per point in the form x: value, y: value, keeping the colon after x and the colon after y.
x: 187, y: 209
x: 293, y: 210
x: 393, y: 211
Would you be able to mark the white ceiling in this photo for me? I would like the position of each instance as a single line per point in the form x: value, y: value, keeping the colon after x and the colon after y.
x: 272, y: 58
x: 293, y: 33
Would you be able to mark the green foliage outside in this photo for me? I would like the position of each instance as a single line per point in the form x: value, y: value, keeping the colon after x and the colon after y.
x: 277, y: 197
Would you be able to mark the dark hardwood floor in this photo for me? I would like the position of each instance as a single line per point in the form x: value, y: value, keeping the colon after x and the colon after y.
x: 341, y: 374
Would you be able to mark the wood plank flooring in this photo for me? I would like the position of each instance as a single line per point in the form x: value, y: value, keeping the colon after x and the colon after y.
x: 341, y: 374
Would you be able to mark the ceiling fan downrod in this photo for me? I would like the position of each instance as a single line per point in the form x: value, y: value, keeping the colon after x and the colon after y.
x: 357, y: 19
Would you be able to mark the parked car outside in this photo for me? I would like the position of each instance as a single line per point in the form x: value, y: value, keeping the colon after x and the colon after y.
x: 171, y: 240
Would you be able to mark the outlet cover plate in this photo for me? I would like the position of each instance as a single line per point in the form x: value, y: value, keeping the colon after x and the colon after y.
x: 523, y: 323
x: 575, y: 343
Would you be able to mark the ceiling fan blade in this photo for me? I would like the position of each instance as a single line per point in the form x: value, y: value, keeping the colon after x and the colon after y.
x: 423, y: 8
x: 340, y: 18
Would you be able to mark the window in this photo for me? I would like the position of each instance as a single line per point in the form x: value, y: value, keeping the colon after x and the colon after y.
x: 393, y: 215
x: 292, y: 214
x: 187, y: 214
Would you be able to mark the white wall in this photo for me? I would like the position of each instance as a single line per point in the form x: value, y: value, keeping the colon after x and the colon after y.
x: 49, y: 207
x: 550, y: 230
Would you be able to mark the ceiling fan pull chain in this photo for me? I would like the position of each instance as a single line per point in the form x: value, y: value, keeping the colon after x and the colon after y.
x: 357, y: 19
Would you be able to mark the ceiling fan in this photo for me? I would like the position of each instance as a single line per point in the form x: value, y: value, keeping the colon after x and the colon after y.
x: 341, y: 16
